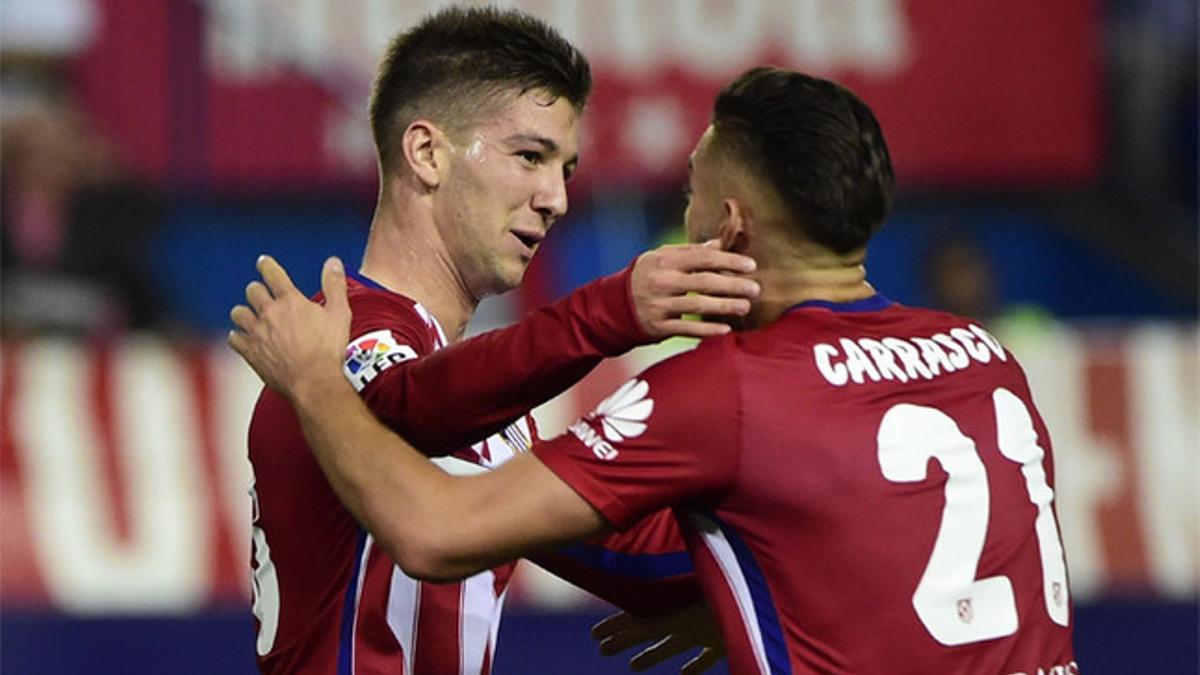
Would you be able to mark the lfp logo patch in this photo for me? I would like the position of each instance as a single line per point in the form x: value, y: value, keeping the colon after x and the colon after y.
x: 369, y: 355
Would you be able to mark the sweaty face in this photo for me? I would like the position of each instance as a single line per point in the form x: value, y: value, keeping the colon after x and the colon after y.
x: 504, y: 186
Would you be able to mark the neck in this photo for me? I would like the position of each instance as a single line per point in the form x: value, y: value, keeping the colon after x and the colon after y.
x: 406, y: 254
x: 815, y: 274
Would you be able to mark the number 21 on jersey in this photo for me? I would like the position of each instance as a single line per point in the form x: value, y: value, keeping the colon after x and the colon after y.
x: 954, y: 606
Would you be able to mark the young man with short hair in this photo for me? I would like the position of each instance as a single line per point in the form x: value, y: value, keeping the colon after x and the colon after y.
x: 474, y: 114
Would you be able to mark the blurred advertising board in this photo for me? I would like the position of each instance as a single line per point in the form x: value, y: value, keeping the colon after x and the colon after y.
x: 243, y: 95
x: 123, y: 472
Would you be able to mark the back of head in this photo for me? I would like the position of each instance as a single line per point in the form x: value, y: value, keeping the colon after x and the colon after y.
x: 455, y: 64
x: 816, y: 145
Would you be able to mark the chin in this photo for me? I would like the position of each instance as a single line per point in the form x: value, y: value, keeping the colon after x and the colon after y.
x: 508, y: 277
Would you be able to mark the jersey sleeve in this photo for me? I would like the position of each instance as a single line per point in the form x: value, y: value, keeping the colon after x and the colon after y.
x: 643, y: 449
x: 385, y: 332
x: 461, y: 394
x: 645, y: 570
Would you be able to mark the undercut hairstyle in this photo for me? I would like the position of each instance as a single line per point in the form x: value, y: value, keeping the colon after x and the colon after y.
x: 456, y: 64
x: 816, y: 145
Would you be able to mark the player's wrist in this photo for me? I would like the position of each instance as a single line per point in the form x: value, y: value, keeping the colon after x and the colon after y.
x: 317, y: 389
x: 613, y: 315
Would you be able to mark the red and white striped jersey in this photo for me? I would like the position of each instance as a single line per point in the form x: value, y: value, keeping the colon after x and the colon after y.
x: 326, y: 599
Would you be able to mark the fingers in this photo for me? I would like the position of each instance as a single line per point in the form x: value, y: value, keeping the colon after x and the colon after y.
x: 333, y: 285
x: 237, y: 341
x: 276, y: 278
x: 713, y: 283
x: 243, y: 317
x: 258, y: 296
x: 658, y: 652
x: 243, y: 344
x: 697, y: 257
x: 672, y: 281
x: 706, y: 306
x: 707, y: 658
x: 632, y: 635
x: 612, y: 625
x: 240, y: 340
x: 689, y: 328
x: 621, y: 631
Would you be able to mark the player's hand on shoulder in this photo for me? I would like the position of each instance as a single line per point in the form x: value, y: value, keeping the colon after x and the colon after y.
x: 294, y: 344
x: 673, y: 634
x: 675, y: 280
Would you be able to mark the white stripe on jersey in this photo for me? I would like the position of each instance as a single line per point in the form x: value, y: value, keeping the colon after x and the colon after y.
x: 404, y: 597
x: 494, y: 631
x: 358, y: 586
x: 478, y: 608
x: 458, y: 467
x: 431, y: 320
x: 717, y: 544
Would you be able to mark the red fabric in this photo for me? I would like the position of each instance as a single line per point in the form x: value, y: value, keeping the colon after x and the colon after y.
x: 787, y: 466
x: 501, y: 375
x: 654, y: 537
x: 441, y: 398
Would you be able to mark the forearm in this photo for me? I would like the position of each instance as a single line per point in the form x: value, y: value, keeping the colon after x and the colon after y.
x: 435, y: 526
x: 388, y: 486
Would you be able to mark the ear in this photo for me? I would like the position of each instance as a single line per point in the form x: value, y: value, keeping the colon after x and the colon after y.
x: 420, y: 143
x: 734, y: 228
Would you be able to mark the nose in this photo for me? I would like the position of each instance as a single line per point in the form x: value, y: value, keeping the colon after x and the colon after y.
x: 551, y: 198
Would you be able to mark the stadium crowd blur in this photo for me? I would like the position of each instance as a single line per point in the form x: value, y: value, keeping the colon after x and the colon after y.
x: 81, y: 226
x: 135, y: 193
x: 77, y: 223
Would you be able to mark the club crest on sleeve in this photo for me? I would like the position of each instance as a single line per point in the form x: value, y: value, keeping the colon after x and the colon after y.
x: 369, y: 355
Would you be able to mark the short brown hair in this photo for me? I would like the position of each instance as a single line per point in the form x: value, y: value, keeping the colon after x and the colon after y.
x: 817, y: 145
x: 455, y: 62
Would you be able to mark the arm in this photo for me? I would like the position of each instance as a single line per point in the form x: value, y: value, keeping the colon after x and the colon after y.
x: 488, y: 381
x: 435, y: 526
x: 442, y: 527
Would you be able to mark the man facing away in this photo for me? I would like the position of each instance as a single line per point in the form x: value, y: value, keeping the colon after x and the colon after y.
x: 474, y: 114
x: 867, y: 487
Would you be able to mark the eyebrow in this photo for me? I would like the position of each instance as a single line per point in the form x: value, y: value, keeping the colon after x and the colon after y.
x: 548, y: 145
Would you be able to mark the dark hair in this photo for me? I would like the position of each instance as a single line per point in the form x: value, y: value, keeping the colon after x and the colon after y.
x: 817, y: 145
x: 454, y: 63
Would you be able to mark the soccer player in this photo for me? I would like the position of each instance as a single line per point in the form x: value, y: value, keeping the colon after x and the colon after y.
x: 868, y: 487
x: 474, y: 114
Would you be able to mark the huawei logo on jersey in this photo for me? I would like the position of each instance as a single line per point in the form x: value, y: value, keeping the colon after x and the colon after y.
x: 624, y: 414
x: 621, y: 416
